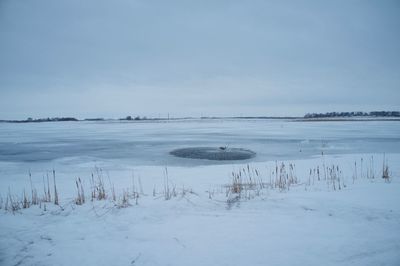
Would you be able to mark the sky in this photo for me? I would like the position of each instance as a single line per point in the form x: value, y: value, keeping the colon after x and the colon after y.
x: 111, y: 59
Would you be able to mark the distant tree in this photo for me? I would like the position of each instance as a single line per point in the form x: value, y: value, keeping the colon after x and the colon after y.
x: 351, y: 114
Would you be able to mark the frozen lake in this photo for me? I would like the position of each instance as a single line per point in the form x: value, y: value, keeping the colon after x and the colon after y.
x: 149, y: 142
x: 355, y: 224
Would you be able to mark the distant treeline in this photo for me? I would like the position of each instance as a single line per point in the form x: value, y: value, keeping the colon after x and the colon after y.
x: 354, y: 114
x: 53, y: 119
x: 63, y: 119
x: 129, y: 118
x: 138, y: 118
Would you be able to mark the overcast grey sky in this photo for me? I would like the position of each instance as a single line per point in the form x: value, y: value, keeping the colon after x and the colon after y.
x: 99, y: 58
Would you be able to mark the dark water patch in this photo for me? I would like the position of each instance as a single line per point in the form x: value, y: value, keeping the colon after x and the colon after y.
x: 214, y: 153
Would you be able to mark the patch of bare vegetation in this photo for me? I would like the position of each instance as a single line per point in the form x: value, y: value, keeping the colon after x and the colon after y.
x: 170, y: 190
x: 98, y: 189
x: 246, y: 183
x: 385, y: 170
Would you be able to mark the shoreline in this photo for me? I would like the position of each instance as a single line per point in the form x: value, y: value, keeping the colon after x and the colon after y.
x: 291, y: 119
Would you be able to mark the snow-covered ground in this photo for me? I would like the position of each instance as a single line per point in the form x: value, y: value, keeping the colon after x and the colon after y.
x: 338, y: 211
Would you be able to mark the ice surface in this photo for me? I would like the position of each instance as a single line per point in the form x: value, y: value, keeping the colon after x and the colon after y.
x: 310, y: 224
x: 149, y: 143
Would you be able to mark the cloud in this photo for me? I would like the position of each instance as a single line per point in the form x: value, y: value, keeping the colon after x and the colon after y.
x: 223, y: 57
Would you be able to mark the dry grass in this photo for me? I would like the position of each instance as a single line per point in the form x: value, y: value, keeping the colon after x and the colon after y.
x: 80, y: 199
x: 246, y: 183
x: 385, y: 170
x: 55, y: 188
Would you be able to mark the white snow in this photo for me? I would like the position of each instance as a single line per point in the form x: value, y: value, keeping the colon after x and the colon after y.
x: 312, y: 223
